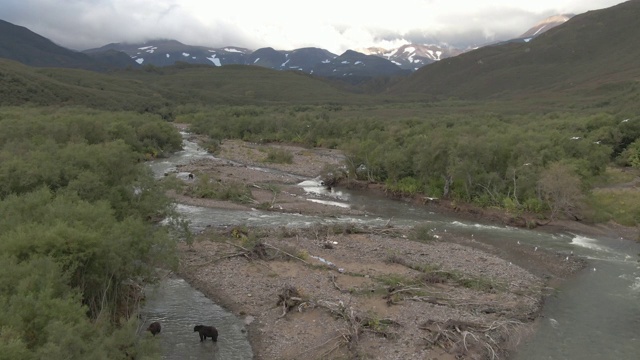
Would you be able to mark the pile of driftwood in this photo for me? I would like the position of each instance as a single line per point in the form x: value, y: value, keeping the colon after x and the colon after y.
x: 463, y: 339
x: 355, y: 323
x: 290, y: 298
x: 259, y: 251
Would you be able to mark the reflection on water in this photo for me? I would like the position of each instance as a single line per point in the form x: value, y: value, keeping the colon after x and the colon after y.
x: 179, y: 307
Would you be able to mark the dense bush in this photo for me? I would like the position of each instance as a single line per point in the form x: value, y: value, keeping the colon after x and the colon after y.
x: 77, y: 231
x: 279, y: 156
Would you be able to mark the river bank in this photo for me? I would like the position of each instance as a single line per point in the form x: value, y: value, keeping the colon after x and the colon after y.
x: 386, y: 293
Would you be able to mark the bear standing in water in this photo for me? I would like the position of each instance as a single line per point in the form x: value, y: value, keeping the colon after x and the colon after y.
x: 206, y: 331
x: 154, y: 328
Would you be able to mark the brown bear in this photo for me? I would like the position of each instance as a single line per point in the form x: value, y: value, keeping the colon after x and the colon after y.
x: 206, y: 331
x: 154, y: 327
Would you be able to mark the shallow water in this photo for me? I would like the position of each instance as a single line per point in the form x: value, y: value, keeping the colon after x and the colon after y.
x: 179, y: 307
x: 597, y: 314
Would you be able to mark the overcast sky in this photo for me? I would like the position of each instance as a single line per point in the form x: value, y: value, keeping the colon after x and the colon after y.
x: 335, y: 25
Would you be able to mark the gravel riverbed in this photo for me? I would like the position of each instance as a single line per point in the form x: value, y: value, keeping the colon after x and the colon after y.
x: 343, y: 292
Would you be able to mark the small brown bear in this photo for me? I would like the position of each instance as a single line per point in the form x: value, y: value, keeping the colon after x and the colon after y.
x: 154, y: 328
x: 206, y: 331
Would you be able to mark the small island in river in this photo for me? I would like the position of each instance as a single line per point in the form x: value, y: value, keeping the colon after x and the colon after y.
x: 340, y: 291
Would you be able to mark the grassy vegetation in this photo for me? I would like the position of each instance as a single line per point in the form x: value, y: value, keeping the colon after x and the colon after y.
x: 208, y: 188
x: 279, y: 156
x: 619, y: 205
x: 421, y: 233
x: 432, y: 274
x: 397, y: 280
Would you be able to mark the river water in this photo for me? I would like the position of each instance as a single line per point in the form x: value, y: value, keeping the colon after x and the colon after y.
x: 595, y: 315
x: 179, y: 307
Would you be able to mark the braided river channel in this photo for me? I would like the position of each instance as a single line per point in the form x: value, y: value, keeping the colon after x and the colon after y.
x: 593, y: 315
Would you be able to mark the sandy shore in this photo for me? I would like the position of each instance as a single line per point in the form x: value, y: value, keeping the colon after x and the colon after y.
x: 343, y: 292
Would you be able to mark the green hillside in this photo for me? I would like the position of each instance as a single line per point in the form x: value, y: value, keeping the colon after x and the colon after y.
x: 155, y: 89
x: 592, y: 54
x: 237, y: 84
x: 22, y: 85
x: 588, y: 63
x: 21, y: 44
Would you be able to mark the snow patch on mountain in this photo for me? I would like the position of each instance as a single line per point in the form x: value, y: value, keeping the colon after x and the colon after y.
x: 215, y: 60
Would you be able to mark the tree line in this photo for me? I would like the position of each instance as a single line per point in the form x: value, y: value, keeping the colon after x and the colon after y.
x: 543, y: 163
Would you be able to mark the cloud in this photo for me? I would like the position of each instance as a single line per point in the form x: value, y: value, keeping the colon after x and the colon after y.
x: 335, y: 25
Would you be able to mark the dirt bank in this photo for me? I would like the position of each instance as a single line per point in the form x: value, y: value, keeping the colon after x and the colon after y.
x: 341, y: 292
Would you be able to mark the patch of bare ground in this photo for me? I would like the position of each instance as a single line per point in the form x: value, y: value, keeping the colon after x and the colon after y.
x: 365, y: 293
x: 345, y: 293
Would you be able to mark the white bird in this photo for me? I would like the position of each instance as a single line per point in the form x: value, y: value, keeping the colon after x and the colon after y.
x: 566, y: 259
x: 535, y: 249
x: 594, y: 269
x: 518, y: 242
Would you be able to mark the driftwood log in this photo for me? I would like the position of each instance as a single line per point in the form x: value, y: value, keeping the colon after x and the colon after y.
x: 289, y: 298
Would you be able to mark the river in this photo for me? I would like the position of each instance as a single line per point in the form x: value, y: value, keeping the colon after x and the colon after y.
x: 595, y: 315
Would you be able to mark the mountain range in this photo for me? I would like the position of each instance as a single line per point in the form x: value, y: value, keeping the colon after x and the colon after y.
x: 590, y: 61
x: 20, y: 44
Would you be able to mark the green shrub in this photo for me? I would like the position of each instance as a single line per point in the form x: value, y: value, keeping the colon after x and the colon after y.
x: 620, y: 205
x: 396, y: 280
x: 421, y: 233
x: 208, y: 188
x: 409, y: 186
x: 212, y: 146
x: 279, y: 156
x: 535, y: 205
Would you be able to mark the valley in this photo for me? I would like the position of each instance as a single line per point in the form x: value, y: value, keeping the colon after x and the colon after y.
x: 323, y: 206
